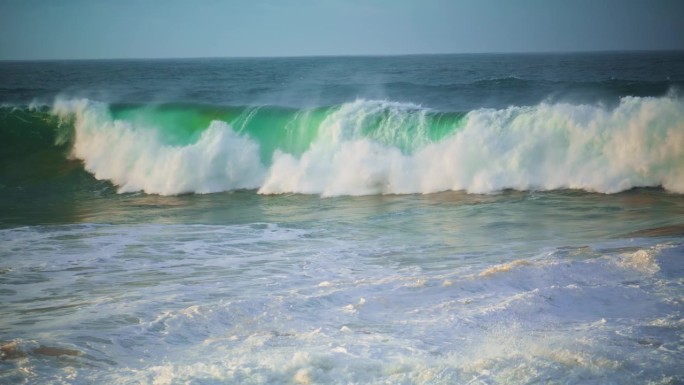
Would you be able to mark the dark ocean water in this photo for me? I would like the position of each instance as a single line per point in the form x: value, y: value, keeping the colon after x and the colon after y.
x: 473, y: 219
x: 441, y: 82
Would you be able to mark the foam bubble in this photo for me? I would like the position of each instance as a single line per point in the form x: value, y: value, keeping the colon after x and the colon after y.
x: 643, y: 261
x: 504, y: 267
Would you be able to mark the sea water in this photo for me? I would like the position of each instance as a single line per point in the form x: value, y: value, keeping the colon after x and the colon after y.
x: 445, y: 219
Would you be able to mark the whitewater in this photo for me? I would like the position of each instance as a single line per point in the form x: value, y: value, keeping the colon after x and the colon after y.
x: 429, y: 219
x: 378, y: 147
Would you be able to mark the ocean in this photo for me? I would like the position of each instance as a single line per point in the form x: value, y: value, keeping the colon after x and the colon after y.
x: 426, y: 219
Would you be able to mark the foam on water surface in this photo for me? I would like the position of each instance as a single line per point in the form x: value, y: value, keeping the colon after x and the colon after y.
x: 270, y: 304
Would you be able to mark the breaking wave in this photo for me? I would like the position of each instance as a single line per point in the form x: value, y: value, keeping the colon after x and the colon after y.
x: 364, y: 147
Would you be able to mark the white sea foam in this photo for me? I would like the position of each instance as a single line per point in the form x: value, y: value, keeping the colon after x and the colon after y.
x: 504, y: 267
x: 643, y: 261
x: 265, y: 304
x: 136, y: 159
x: 545, y: 147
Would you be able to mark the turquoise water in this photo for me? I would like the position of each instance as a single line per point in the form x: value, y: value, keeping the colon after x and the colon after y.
x: 463, y: 219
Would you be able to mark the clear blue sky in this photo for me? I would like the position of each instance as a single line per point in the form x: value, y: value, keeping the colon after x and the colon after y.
x: 75, y: 29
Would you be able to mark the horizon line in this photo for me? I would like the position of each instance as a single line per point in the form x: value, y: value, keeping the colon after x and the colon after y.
x: 351, y: 55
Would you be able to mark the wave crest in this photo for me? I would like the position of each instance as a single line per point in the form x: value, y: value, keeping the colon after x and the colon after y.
x: 378, y: 147
x: 136, y: 158
x: 545, y: 147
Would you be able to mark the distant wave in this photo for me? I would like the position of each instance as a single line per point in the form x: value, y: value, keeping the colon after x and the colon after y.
x: 503, y: 83
x: 362, y: 147
x: 502, y: 92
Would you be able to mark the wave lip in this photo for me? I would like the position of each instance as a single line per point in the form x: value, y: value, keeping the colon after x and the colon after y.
x: 381, y: 147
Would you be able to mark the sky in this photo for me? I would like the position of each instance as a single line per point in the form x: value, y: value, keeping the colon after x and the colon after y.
x: 101, y: 29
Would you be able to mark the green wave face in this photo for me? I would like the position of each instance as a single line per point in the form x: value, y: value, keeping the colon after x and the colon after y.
x: 39, y: 180
x: 176, y: 125
x: 293, y: 131
x: 34, y: 145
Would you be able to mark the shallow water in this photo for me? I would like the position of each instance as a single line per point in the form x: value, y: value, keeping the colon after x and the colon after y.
x: 516, y: 287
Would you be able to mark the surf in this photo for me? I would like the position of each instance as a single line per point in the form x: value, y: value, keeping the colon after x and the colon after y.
x: 362, y: 147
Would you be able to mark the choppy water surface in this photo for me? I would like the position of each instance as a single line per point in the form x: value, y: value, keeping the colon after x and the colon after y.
x: 445, y: 288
